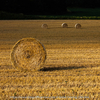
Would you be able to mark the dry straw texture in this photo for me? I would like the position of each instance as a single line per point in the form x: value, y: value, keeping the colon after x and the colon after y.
x: 28, y: 54
x: 77, y: 26
x: 64, y: 25
x: 44, y: 26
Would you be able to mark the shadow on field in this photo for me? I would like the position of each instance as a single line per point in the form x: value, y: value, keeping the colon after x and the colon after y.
x: 59, y: 67
x: 59, y: 27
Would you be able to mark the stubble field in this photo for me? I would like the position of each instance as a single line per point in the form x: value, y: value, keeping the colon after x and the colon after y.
x: 71, y: 70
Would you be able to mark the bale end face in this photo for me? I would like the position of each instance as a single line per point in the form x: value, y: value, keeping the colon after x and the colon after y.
x: 64, y: 25
x: 77, y: 26
x: 44, y: 26
x: 28, y: 54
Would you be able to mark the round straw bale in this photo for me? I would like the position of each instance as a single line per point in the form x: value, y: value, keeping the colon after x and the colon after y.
x: 28, y: 54
x: 44, y: 26
x: 64, y: 25
x: 77, y: 25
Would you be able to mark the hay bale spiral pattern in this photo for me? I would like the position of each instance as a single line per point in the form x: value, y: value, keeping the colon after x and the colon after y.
x: 28, y: 54
x: 64, y: 25
x: 44, y: 26
x: 77, y: 26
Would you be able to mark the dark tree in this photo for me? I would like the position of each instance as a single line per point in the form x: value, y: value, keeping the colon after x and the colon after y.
x: 34, y: 6
x: 54, y: 7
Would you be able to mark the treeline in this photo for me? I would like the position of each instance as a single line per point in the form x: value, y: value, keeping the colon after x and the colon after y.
x: 34, y: 6
x: 44, y: 7
x: 83, y: 3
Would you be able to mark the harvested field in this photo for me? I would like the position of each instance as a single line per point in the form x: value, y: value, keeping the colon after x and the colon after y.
x: 72, y: 67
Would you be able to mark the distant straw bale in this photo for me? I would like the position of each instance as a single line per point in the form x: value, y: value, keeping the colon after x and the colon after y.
x: 44, y: 26
x: 77, y: 26
x: 64, y: 25
x: 28, y: 54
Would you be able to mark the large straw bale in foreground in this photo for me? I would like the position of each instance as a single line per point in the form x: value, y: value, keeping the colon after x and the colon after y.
x: 64, y: 25
x: 77, y: 25
x: 28, y: 54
